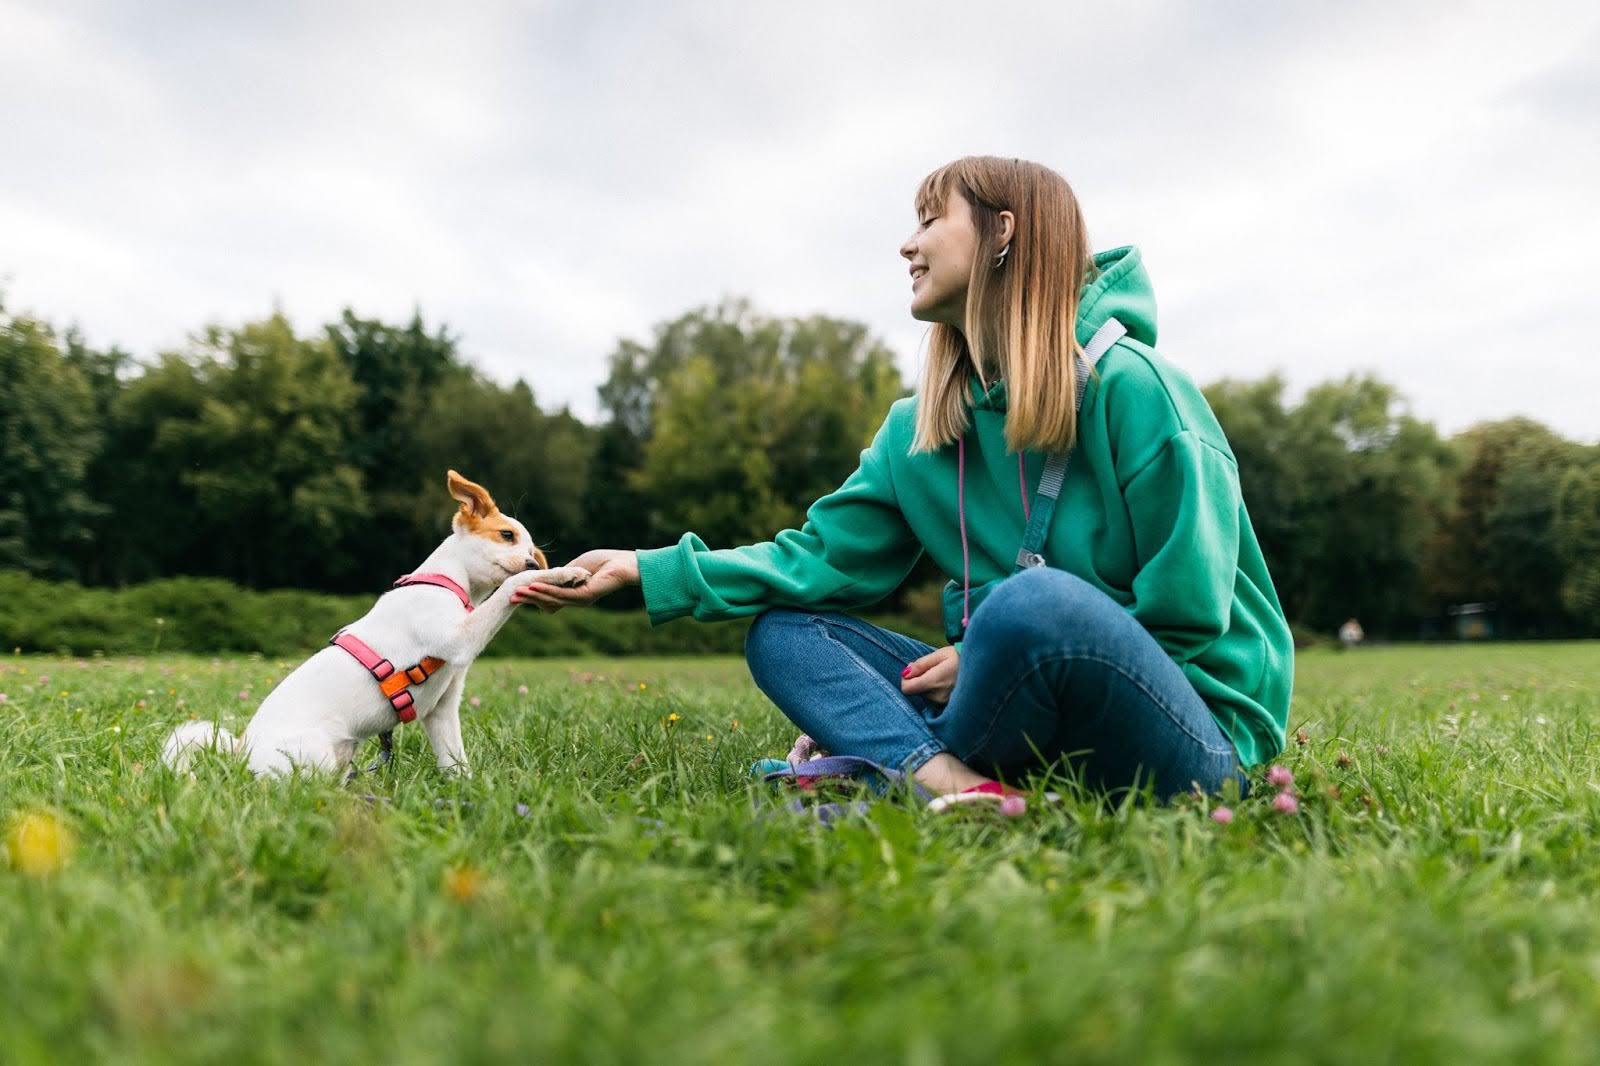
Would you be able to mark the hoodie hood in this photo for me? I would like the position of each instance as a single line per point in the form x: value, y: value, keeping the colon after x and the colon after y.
x: 1120, y: 289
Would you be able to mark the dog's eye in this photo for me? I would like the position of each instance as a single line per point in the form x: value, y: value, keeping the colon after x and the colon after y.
x: 506, y: 534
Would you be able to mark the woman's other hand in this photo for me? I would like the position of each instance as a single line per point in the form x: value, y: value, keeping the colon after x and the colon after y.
x: 609, y: 570
x: 932, y: 677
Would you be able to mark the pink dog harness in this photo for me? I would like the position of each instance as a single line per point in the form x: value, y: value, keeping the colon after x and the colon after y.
x: 396, y: 684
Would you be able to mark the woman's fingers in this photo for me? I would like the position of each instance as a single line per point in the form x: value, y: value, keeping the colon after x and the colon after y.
x: 552, y: 595
x: 938, y: 676
x: 927, y: 662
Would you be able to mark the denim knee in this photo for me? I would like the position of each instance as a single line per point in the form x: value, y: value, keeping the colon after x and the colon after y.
x: 1039, y: 607
x: 768, y: 634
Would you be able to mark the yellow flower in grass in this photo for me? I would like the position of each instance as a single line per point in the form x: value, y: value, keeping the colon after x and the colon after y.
x: 462, y: 883
x: 39, y: 843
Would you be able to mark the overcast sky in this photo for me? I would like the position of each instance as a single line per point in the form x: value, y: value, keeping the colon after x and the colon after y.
x: 1407, y: 188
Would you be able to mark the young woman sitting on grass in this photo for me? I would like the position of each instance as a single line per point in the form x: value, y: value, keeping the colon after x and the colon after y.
x: 1131, y: 629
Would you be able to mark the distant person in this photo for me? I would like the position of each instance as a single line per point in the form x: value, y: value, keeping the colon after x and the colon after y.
x: 1141, y: 635
x: 1351, y: 634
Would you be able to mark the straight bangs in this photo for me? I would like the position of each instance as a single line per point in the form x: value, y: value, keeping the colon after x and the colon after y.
x: 1021, y: 316
x: 934, y: 192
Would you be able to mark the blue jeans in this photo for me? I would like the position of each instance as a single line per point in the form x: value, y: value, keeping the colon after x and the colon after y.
x: 1051, y: 669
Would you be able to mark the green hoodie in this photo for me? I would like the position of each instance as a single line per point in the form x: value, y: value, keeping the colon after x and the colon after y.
x: 1150, y: 514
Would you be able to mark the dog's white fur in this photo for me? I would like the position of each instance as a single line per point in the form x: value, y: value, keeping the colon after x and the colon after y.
x: 330, y: 703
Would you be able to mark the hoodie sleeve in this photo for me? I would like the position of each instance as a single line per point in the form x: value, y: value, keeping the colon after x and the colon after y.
x: 854, y: 549
x: 1184, y: 503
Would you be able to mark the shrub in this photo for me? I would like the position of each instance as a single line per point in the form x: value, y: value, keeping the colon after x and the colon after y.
x: 204, y: 616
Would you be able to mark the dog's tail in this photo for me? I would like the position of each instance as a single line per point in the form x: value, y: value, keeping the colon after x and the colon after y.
x: 191, y: 737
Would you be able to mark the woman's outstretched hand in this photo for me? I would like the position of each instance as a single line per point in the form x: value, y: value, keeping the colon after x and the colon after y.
x: 932, y: 677
x: 609, y: 570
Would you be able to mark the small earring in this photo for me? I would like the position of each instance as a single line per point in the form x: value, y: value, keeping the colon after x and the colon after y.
x: 1000, y: 260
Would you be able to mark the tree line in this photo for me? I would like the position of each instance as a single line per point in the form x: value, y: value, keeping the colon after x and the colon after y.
x: 316, y: 461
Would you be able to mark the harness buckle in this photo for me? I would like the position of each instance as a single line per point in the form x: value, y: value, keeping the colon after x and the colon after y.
x: 1029, y: 560
x: 402, y: 702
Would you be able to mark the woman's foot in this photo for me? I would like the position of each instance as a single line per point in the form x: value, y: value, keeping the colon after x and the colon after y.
x: 955, y: 784
x: 944, y: 773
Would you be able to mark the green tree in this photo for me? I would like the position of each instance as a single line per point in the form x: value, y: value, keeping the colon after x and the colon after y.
x: 1498, y: 544
x: 1578, y: 540
x: 741, y: 421
x: 1377, y: 483
x: 244, y: 438
x: 96, y: 558
x: 396, y: 369
x: 1260, y: 430
x: 48, y: 437
x: 536, y: 465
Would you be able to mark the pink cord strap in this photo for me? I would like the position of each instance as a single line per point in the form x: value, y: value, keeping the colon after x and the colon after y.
x: 961, y: 511
x: 1022, y: 486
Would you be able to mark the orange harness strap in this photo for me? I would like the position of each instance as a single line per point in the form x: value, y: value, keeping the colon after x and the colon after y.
x: 401, y: 680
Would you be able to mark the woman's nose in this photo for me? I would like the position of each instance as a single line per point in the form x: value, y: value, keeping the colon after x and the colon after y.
x: 908, y: 249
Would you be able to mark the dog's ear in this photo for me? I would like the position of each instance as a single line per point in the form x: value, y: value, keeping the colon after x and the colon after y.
x: 475, y: 500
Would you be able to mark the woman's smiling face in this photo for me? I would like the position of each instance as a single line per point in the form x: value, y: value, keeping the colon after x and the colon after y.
x: 940, y: 252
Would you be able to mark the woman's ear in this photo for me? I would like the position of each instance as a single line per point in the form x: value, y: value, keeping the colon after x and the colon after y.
x: 1008, y: 227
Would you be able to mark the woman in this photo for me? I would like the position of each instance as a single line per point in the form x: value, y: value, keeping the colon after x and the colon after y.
x: 1149, y: 648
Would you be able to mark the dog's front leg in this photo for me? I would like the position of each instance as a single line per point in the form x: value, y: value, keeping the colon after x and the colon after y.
x: 443, y: 726
x: 479, y: 627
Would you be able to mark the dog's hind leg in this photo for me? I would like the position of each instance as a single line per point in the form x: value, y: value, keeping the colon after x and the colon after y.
x: 443, y: 726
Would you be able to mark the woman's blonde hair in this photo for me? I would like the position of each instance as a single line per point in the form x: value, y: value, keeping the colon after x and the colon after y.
x: 1021, y: 316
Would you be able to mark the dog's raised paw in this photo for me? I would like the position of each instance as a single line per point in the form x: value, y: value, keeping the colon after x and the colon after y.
x: 566, y: 576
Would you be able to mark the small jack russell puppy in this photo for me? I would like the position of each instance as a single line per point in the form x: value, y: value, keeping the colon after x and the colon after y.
x: 406, y: 659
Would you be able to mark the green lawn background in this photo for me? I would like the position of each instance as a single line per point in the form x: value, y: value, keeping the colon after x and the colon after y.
x: 1433, y: 899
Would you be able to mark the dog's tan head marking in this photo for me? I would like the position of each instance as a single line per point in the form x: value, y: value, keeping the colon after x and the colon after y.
x: 480, y: 517
x: 477, y: 506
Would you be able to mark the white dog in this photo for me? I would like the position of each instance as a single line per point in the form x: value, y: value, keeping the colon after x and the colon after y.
x: 407, y: 658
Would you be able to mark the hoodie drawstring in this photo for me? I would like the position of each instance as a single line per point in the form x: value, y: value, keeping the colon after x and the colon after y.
x: 1022, y: 488
x: 961, y: 515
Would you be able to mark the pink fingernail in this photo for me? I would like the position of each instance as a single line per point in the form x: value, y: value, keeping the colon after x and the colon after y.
x: 906, y: 672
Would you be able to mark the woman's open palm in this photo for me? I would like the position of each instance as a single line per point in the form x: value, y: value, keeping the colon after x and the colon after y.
x: 609, y: 570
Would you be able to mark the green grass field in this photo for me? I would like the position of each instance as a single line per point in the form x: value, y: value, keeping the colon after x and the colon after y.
x: 1436, y: 898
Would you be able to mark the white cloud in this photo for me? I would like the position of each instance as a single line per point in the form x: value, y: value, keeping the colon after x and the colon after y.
x: 1401, y: 187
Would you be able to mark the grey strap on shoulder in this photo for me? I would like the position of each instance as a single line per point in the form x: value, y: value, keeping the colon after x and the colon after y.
x: 1055, y: 468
